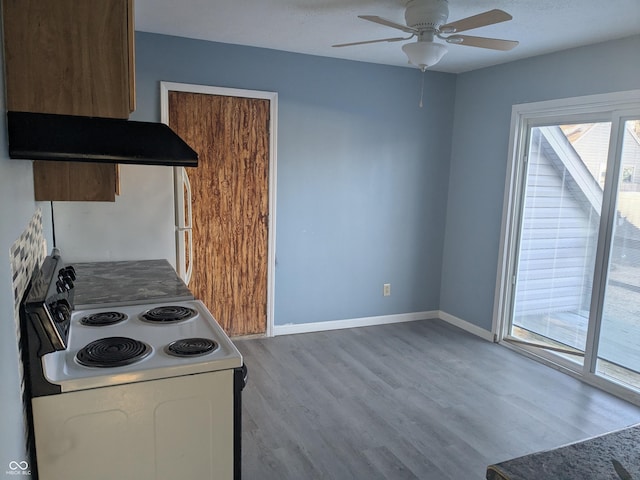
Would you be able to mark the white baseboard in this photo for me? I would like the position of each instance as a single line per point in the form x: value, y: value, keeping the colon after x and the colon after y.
x: 294, y: 328
x: 467, y: 326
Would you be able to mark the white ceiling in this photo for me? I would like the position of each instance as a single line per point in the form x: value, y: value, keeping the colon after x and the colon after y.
x: 312, y: 26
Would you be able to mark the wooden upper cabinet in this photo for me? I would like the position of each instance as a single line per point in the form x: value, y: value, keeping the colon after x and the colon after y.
x: 73, y: 57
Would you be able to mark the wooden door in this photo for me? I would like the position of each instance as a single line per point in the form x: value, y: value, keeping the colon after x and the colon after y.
x: 230, y: 204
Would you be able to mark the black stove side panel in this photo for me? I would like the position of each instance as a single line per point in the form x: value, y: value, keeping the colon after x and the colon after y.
x: 27, y: 393
x: 45, y: 315
x: 240, y: 376
x: 36, y: 384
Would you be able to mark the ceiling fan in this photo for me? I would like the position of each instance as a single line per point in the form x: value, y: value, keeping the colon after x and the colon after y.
x: 427, y: 20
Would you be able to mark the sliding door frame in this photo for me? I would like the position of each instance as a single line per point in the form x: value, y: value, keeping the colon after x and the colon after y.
x: 615, y: 108
x: 605, y: 237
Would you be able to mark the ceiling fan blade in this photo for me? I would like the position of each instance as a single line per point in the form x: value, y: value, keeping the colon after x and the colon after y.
x: 388, y: 23
x: 482, y: 42
x: 476, y: 21
x: 395, y: 39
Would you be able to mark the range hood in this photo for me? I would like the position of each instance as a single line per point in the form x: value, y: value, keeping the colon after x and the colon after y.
x: 45, y: 136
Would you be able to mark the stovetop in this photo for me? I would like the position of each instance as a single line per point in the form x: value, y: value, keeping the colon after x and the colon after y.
x: 63, y: 368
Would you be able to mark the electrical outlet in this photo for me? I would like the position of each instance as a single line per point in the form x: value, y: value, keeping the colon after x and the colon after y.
x: 386, y: 289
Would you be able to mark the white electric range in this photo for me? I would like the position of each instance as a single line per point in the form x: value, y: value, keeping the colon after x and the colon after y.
x: 131, y: 391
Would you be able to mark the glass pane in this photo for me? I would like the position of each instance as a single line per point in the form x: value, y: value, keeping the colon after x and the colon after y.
x: 618, y: 352
x: 559, y: 230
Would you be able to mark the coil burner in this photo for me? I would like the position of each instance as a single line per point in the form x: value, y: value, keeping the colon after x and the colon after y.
x: 102, y: 319
x: 191, y: 347
x: 168, y: 314
x: 112, y: 352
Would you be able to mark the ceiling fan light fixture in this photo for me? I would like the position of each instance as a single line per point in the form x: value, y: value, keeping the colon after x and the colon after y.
x: 424, y: 54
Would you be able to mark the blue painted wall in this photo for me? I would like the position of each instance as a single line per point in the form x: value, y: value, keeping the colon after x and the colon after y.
x: 479, y: 156
x: 362, y: 171
x: 16, y: 209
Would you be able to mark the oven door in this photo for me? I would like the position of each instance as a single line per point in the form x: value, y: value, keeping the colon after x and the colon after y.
x: 173, y: 428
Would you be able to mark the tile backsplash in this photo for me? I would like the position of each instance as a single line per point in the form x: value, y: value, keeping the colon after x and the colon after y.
x: 27, y: 253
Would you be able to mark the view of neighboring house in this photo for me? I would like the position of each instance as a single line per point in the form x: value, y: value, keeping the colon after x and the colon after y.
x: 560, y: 225
x: 562, y: 205
x: 591, y: 142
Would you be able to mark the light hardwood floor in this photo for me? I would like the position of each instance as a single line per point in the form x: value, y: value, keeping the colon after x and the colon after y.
x: 419, y: 400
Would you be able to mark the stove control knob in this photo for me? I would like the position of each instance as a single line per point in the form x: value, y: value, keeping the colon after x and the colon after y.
x: 70, y: 272
x: 65, y: 283
x: 61, y: 313
x: 68, y: 283
x: 66, y: 279
x: 66, y: 312
x: 67, y: 272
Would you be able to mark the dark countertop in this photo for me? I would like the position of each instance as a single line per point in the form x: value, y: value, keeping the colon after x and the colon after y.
x: 99, y: 284
x: 613, y: 456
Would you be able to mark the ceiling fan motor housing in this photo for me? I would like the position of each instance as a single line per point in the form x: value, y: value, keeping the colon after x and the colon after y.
x: 426, y: 14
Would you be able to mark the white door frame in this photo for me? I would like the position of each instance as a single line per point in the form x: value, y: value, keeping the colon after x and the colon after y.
x: 165, y: 87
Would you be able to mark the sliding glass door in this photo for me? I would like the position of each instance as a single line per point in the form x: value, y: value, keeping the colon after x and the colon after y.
x: 560, y: 219
x: 569, y: 281
x: 618, y: 344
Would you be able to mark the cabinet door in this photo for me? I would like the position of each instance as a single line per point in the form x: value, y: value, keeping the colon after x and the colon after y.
x: 75, y: 181
x: 70, y: 57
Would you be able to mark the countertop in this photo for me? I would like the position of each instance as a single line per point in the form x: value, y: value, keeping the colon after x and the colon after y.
x: 100, y: 284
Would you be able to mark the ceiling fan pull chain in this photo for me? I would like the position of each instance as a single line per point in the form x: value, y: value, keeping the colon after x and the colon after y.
x: 422, y: 89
